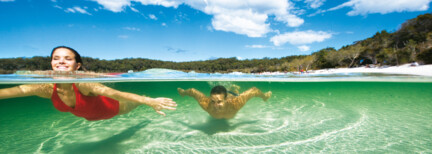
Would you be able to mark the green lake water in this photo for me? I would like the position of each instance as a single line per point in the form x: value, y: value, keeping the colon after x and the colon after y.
x: 300, y: 117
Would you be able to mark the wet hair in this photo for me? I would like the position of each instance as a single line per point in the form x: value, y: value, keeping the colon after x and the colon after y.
x: 219, y: 90
x: 77, y: 55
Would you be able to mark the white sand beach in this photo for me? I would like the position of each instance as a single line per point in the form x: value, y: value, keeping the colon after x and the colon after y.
x: 423, y: 70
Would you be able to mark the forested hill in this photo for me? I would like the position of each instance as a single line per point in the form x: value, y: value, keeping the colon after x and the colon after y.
x: 411, y: 43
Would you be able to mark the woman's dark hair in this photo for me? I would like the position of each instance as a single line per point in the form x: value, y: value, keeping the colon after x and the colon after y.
x: 77, y: 55
x: 219, y: 90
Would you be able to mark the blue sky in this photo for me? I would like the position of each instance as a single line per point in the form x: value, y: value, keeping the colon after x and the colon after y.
x: 190, y: 30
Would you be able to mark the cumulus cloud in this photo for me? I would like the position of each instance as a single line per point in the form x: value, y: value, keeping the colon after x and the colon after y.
x: 300, y: 37
x: 242, y: 22
x: 77, y: 9
x: 364, y: 7
x: 303, y: 48
x: 246, y: 17
x: 115, y: 5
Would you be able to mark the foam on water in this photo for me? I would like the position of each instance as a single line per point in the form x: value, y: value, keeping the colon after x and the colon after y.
x: 173, y: 75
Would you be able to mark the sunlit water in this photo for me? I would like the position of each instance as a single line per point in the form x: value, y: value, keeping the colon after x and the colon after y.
x: 327, y: 114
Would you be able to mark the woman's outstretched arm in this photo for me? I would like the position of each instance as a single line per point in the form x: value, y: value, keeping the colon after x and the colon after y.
x: 157, y: 104
x: 41, y: 90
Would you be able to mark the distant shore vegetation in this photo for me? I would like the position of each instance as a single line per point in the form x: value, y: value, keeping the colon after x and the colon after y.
x: 411, y: 43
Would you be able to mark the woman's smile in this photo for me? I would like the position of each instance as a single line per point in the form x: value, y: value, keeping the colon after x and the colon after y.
x: 64, y: 60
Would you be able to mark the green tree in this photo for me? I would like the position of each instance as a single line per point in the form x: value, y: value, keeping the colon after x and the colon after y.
x: 351, y: 52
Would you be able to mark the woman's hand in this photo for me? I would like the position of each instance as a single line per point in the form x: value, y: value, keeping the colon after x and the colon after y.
x: 161, y: 103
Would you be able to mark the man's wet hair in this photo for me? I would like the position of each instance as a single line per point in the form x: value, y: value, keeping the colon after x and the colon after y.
x: 219, y: 90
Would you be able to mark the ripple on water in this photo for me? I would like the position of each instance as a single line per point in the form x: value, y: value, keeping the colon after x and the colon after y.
x: 298, y: 127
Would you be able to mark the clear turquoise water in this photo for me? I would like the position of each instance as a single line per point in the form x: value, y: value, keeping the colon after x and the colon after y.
x: 301, y: 117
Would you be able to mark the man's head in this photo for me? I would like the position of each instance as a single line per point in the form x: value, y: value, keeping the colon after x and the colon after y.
x: 219, y: 90
x: 218, y: 95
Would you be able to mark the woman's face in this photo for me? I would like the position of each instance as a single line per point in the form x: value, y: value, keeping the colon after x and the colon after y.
x: 64, y: 60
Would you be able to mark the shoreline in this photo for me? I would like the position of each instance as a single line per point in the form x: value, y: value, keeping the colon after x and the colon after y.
x: 408, y: 69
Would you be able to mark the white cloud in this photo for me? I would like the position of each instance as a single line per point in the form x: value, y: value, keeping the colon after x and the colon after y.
x: 133, y: 9
x: 77, y: 9
x: 246, y: 17
x: 132, y: 28
x: 120, y: 5
x: 165, y: 3
x: 59, y: 7
x: 300, y: 37
x: 364, y: 7
x: 242, y: 22
x: 164, y: 24
x: 315, y: 3
x: 256, y: 46
x: 152, y: 16
x: 80, y: 10
x: 303, y: 48
x: 7, y: 0
x: 114, y: 5
x: 317, y: 12
x: 70, y: 10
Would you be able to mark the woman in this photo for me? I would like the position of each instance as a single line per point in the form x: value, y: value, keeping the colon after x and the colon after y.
x: 92, y: 101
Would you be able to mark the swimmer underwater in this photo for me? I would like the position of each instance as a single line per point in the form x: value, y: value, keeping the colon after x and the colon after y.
x: 92, y: 101
x: 224, y: 104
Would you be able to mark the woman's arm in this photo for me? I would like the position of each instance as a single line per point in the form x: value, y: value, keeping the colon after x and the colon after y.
x: 41, y: 90
x: 199, y: 96
x: 156, y: 103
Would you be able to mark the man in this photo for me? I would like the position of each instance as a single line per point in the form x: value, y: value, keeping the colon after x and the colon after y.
x: 223, y: 104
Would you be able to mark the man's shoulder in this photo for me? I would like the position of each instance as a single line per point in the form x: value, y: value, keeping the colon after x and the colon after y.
x: 204, y: 99
x: 232, y: 100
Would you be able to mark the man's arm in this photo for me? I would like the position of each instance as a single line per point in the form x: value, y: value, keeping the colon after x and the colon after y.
x: 241, y: 100
x: 41, y: 90
x: 199, y: 96
x: 156, y: 103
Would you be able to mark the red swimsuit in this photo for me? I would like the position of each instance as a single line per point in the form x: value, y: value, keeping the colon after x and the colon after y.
x: 89, y: 107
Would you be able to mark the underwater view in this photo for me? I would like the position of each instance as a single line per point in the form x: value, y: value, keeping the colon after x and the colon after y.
x: 306, y: 114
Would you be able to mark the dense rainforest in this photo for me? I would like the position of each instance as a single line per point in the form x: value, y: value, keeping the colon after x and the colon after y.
x: 412, y: 42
